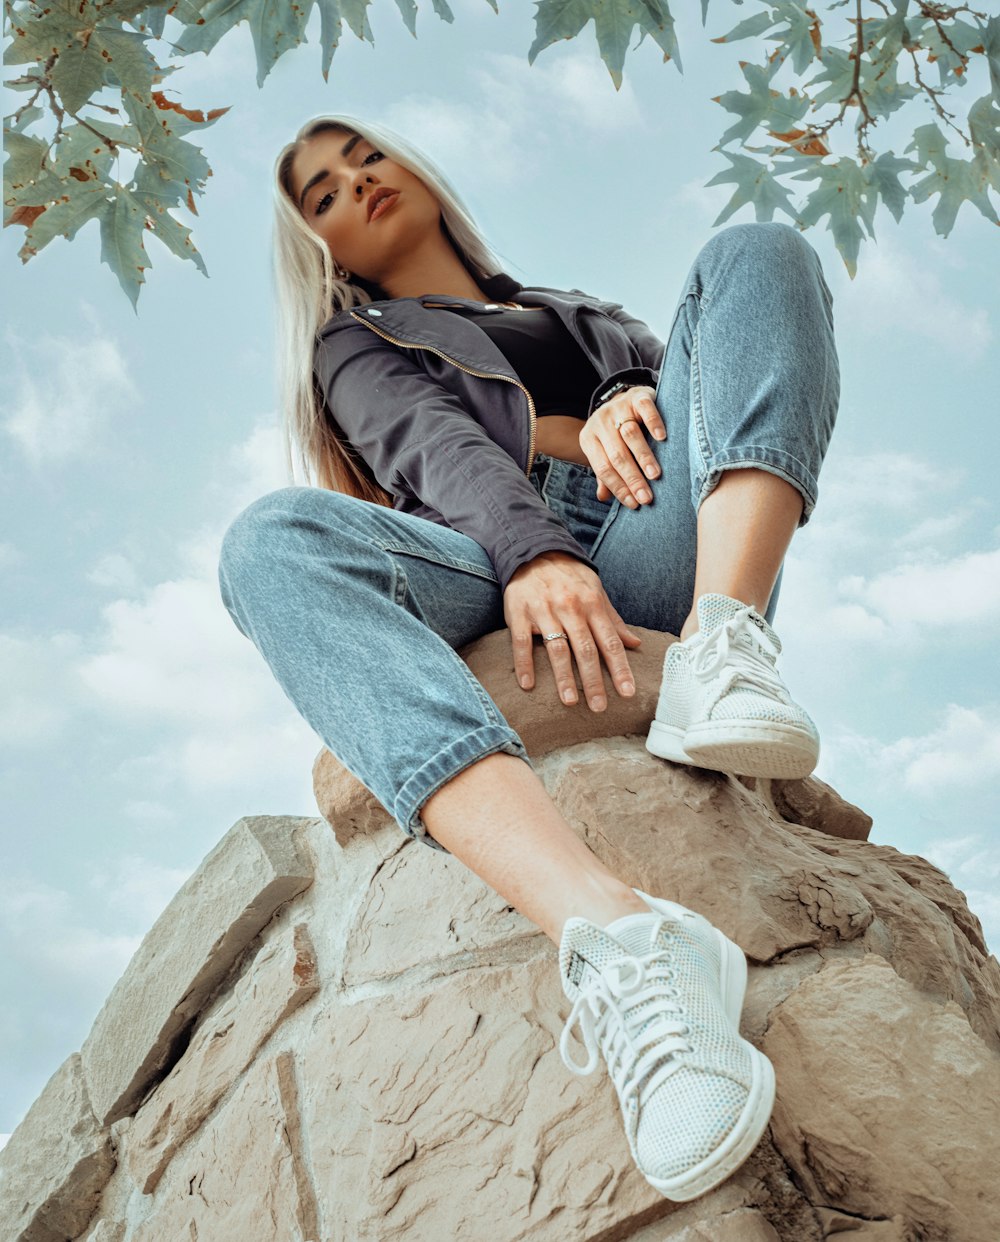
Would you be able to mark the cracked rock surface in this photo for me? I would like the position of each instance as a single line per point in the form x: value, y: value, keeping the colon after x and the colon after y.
x: 380, y: 1061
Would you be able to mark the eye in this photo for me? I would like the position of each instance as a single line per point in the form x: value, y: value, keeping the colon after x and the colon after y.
x: 371, y: 158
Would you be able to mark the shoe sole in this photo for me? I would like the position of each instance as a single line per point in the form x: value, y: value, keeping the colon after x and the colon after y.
x: 753, y: 1120
x: 772, y: 751
x: 751, y: 749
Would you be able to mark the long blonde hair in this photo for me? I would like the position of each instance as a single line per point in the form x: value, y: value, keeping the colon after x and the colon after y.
x: 309, y: 292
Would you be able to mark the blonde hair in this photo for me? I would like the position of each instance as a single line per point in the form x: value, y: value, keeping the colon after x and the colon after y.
x: 309, y: 292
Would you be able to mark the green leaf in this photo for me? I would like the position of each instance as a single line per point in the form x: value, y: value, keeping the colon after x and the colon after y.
x: 761, y: 105
x: 949, y: 45
x: 25, y: 160
x: 798, y: 35
x: 275, y: 26
x: 38, y: 34
x: 29, y: 116
x: 332, y: 14
x: 984, y: 127
x: 991, y: 48
x: 614, y: 21
x: 954, y: 181
x: 121, y: 242
x: 747, y: 29
x: 408, y: 11
x: 843, y: 194
x: 155, y: 204
x: 77, y: 74
x: 127, y: 58
x: 754, y: 184
x: 179, y: 163
x: 883, y: 176
x: 81, y: 149
x: 82, y: 201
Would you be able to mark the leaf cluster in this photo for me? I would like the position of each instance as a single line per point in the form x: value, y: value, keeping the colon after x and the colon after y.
x: 92, y: 80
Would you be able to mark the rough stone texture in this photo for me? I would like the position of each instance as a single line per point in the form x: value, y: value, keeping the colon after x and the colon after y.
x: 418, y: 1094
x: 281, y: 978
x: 55, y: 1164
x: 544, y: 723
x: 237, y: 1181
x: 901, y: 1120
x: 257, y: 867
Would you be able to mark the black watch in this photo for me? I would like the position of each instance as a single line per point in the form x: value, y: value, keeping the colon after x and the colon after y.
x: 613, y: 391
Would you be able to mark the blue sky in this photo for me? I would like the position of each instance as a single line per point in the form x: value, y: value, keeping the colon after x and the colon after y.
x: 138, y: 725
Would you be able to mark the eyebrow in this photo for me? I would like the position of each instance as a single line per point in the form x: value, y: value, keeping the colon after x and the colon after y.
x: 345, y: 151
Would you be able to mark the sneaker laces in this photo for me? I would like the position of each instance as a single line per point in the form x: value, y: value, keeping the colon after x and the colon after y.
x: 632, y: 1012
x: 750, y: 661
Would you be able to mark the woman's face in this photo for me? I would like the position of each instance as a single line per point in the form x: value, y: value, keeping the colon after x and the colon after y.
x: 341, y: 184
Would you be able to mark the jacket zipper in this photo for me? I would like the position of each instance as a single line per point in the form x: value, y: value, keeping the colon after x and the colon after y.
x: 468, y: 370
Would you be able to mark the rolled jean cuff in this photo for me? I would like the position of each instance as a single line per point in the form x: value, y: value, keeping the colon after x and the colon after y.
x: 774, y: 461
x: 447, y: 763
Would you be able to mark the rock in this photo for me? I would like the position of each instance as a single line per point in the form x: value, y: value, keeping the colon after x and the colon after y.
x: 896, y: 1122
x: 238, y: 1180
x: 56, y: 1162
x: 188, y: 952
x: 281, y: 978
x: 543, y: 722
x: 403, y: 1080
x: 814, y: 804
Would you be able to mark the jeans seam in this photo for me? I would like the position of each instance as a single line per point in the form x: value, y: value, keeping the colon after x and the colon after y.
x: 449, y: 562
x: 704, y: 444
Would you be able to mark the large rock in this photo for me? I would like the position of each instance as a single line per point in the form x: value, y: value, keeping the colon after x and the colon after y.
x: 544, y: 723
x: 402, y: 1079
x: 55, y: 1164
x: 190, y: 949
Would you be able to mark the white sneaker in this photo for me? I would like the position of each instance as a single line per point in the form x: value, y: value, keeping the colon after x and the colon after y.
x: 722, y: 704
x: 660, y: 996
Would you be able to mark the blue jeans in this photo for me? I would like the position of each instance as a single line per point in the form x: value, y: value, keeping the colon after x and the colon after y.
x: 358, y: 609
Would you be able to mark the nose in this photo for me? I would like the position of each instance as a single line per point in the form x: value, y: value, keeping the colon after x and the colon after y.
x: 359, y: 186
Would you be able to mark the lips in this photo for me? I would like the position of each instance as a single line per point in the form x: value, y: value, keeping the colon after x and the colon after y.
x: 380, y: 200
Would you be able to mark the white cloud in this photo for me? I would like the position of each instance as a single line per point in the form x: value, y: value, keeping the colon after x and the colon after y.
x: 114, y: 571
x: 63, y: 953
x: 486, y: 135
x: 38, y: 690
x: 138, y: 889
x: 67, y: 392
x: 169, y: 656
x: 893, y: 291
x: 910, y: 596
x: 963, y: 750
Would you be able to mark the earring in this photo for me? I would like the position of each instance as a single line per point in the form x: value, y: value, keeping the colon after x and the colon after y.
x: 341, y: 273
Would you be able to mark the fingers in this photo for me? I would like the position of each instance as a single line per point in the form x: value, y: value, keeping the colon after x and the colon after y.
x: 551, y: 598
x: 644, y: 407
x: 591, y: 638
x: 620, y: 455
x: 613, y: 459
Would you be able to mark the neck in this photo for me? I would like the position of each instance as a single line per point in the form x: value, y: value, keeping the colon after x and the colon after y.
x: 433, y: 267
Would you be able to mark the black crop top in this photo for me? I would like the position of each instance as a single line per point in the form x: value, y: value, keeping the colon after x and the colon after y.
x: 545, y: 357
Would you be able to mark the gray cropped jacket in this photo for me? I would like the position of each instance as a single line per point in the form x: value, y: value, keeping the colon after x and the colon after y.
x: 436, y: 414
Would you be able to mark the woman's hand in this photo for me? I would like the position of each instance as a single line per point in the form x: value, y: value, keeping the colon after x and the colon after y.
x: 554, y: 593
x: 617, y: 453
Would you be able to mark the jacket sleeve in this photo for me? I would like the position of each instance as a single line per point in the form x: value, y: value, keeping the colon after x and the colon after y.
x: 421, y: 442
x: 647, y: 344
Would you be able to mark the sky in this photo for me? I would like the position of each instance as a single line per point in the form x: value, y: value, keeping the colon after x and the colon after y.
x: 137, y: 725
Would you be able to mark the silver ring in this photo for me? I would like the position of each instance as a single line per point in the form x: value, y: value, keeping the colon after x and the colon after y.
x: 547, y: 638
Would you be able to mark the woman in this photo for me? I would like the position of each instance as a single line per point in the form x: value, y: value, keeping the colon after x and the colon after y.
x: 489, y: 454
